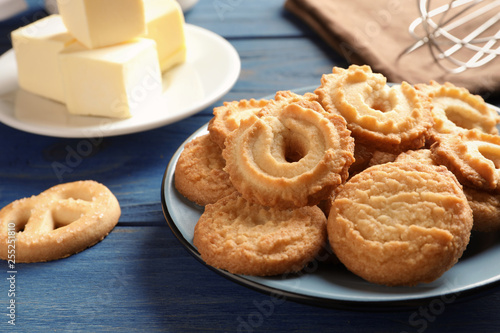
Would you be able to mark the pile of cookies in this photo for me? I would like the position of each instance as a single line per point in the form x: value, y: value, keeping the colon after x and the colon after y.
x: 391, y: 178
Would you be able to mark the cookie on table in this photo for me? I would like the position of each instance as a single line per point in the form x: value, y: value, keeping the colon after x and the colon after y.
x: 59, y: 222
x: 400, y: 223
x: 245, y: 238
x: 199, y: 174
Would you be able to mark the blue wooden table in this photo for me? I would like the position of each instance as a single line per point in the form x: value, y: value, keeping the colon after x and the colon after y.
x: 140, y: 278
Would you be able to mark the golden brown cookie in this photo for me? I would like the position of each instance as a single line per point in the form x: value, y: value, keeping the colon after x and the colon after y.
x: 362, y: 156
x: 292, y: 158
x: 485, y: 209
x: 381, y: 157
x: 400, y: 223
x: 392, y: 119
x: 246, y: 238
x: 199, y: 174
x: 227, y: 118
x: 283, y: 98
x: 57, y: 223
x: 456, y: 109
x: 423, y: 156
x: 473, y: 156
x: 485, y: 205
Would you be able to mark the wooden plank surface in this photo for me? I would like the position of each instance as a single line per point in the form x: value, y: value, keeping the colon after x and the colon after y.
x: 140, y: 278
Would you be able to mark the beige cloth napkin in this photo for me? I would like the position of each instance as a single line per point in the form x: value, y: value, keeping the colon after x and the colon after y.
x: 376, y: 33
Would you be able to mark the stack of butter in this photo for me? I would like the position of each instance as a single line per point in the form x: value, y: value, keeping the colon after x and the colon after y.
x: 101, y: 57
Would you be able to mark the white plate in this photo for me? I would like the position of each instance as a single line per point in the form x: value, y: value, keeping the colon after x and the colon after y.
x: 210, y: 71
x: 332, y: 285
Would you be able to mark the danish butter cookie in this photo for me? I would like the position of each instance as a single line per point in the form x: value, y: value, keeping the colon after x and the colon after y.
x: 59, y: 222
x: 485, y: 205
x: 381, y: 157
x: 456, y: 109
x: 473, y: 156
x: 227, y: 118
x: 423, y: 156
x: 392, y: 119
x: 362, y: 156
x: 485, y: 209
x: 283, y: 98
x: 400, y: 223
x: 199, y: 174
x: 244, y: 238
x: 292, y: 158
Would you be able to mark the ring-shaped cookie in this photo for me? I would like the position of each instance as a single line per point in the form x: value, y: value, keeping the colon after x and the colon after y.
x: 392, y: 119
x: 227, y: 118
x: 59, y: 222
x: 292, y: 158
x: 473, y: 156
x: 456, y: 109
x: 400, y: 223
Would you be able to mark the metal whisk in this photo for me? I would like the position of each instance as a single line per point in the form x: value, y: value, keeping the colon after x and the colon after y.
x: 456, y: 49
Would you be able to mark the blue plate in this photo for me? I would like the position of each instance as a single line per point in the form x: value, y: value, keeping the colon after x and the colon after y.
x: 328, y: 284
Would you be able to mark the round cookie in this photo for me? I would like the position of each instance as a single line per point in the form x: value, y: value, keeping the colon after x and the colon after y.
x: 423, y: 156
x: 245, y: 238
x: 400, y: 223
x: 59, y: 222
x: 485, y: 209
x: 291, y: 158
x: 392, y: 119
x: 199, y: 174
x: 485, y: 205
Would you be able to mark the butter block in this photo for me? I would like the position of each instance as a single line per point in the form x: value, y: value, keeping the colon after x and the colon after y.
x: 165, y: 25
x: 113, y: 81
x: 99, y: 23
x: 36, y: 47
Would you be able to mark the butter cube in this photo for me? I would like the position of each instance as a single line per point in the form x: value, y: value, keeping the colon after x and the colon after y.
x: 165, y: 25
x: 98, y: 23
x: 113, y: 81
x: 37, y: 46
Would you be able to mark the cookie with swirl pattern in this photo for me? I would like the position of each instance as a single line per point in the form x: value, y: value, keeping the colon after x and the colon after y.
x: 386, y: 118
x: 246, y: 238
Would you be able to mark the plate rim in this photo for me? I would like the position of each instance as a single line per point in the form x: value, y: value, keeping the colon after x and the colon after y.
x: 349, y: 304
x: 232, y: 76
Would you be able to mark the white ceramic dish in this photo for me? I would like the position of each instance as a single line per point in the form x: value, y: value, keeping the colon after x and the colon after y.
x: 210, y: 71
x: 332, y: 285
